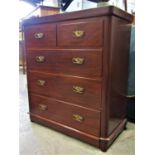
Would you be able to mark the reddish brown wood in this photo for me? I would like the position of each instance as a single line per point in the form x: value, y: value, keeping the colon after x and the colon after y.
x: 54, y: 111
x: 60, y: 61
x: 61, y: 87
x: 118, y: 77
x: 115, y: 69
x: 92, y: 33
x: 103, y: 75
x: 106, y: 142
x: 88, y: 13
x: 48, y: 40
x: 93, y: 140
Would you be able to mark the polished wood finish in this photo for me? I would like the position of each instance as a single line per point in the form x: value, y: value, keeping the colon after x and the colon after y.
x: 119, y: 72
x: 60, y: 61
x: 88, y: 13
x: 48, y: 39
x: 61, y: 87
x: 77, y: 75
x: 92, y: 33
x: 93, y: 140
x: 54, y: 111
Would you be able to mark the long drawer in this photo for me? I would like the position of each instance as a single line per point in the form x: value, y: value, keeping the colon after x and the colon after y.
x: 72, y: 62
x: 75, y: 90
x: 78, y: 118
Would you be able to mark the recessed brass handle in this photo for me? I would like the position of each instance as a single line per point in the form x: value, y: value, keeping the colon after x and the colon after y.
x: 39, y: 35
x: 78, y: 118
x: 78, y: 60
x: 78, y: 89
x: 41, y: 82
x: 40, y: 58
x: 78, y: 33
x: 43, y: 107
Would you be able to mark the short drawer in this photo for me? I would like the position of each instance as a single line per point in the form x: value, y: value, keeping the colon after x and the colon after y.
x: 81, y: 33
x: 79, y: 118
x: 40, y: 36
x: 87, y: 63
x: 78, y: 91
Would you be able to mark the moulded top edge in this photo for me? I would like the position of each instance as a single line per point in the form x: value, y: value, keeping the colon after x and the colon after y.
x: 88, y: 13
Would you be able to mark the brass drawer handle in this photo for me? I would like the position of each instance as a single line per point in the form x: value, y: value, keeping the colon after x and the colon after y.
x: 78, y: 60
x: 40, y: 58
x: 41, y: 82
x: 39, y: 35
x: 78, y: 89
x: 78, y: 33
x: 42, y: 107
x: 78, y: 118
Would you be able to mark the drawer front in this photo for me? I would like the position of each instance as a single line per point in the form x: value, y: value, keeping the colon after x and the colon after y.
x: 79, y: 91
x: 81, y: 33
x: 75, y: 117
x: 72, y: 62
x: 40, y: 36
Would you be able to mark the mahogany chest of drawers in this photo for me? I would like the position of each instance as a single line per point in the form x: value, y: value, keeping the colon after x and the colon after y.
x: 77, y: 70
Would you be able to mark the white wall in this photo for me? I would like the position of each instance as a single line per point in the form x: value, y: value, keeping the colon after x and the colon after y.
x: 53, y: 3
x: 131, y: 6
x: 87, y: 4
